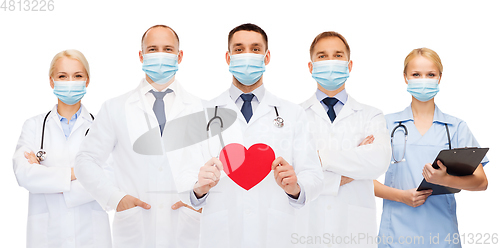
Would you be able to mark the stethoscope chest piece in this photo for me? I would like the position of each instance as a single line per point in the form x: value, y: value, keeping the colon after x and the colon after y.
x: 41, y: 155
x: 279, y: 122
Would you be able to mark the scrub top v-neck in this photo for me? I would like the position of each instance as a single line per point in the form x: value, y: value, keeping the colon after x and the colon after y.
x: 437, y: 216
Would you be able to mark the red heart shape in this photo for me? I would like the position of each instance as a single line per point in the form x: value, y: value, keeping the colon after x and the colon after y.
x: 245, y: 167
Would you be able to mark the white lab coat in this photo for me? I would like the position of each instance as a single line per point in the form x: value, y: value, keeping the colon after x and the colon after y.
x: 61, y: 212
x: 263, y: 216
x: 147, y: 177
x: 347, y: 210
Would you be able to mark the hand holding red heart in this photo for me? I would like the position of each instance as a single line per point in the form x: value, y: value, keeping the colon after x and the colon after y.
x: 285, y: 176
x: 208, y: 177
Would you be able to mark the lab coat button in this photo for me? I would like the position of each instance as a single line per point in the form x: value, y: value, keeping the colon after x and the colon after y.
x: 161, y: 169
x: 329, y: 207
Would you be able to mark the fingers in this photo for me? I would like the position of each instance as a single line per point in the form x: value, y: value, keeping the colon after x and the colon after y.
x: 141, y: 204
x: 215, y: 161
x: 32, y: 159
x: 285, y: 175
x: 178, y: 205
x: 279, y: 161
x: 441, y: 165
x: 368, y: 140
x: 321, y: 163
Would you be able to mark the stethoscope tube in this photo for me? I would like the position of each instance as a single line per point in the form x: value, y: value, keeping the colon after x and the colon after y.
x: 279, y: 122
x: 41, y: 155
x: 406, y: 138
x: 392, y: 144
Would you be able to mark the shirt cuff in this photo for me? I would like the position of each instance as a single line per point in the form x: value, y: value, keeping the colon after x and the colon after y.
x: 198, y: 203
x: 299, y: 202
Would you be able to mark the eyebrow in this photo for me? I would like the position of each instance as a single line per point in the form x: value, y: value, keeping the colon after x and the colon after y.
x: 324, y: 52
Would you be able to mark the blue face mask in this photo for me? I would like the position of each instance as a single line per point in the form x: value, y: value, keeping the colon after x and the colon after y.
x: 160, y: 67
x: 330, y: 74
x: 247, y: 68
x: 423, y: 89
x: 70, y: 92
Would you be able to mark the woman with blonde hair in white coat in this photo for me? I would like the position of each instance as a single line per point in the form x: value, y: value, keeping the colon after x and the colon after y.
x: 61, y: 212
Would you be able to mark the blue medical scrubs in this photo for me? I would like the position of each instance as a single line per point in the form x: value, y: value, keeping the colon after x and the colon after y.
x: 405, y: 226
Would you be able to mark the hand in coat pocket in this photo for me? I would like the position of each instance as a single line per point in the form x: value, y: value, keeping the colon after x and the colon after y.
x: 129, y: 202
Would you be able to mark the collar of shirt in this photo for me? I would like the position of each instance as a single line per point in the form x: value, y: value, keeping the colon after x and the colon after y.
x: 168, y: 99
x: 74, y: 117
x: 341, y: 96
x: 407, y: 115
x: 235, y: 94
x: 67, y: 127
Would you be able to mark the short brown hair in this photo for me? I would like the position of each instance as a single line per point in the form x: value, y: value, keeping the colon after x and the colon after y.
x: 247, y: 27
x: 328, y: 34
x: 159, y: 26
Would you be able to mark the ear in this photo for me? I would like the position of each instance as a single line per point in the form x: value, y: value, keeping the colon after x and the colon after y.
x: 350, y: 66
x: 440, y: 76
x: 140, y: 56
x: 267, y: 59
x: 310, y: 65
x: 179, y: 58
x: 51, y: 82
x: 404, y: 75
x: 88, y: 81
x: 228, y: 58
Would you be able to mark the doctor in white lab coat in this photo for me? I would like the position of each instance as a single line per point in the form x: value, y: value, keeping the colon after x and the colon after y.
x: 265, y: 214
x: 61, y: 212
x: 354, y: 148
x: 145, y: 191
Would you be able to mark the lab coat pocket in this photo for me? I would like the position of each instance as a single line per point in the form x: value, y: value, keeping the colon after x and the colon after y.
x: 37, y: 230
x: 280, y: 228
x: 361, y: 223
x: 188, y: 228
x: 128, y: 229
x: 215, y: 228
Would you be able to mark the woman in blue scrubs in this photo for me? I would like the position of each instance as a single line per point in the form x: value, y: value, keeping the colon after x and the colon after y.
x: 413, y: 218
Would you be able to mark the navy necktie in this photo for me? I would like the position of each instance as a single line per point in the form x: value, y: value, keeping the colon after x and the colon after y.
x: 330, y: 102
x: 159, y: 107
x: 246, y: 109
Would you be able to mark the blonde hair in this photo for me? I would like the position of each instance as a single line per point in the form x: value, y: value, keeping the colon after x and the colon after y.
x: 72, y: 54
x: 426, y: 53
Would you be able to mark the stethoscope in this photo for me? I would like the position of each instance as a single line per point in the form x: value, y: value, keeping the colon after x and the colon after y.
x: 278, y: 121
x: 41, y: 155
x: 395, y: 161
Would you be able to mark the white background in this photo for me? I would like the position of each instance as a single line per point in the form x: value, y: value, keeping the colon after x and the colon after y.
x: 380, y: 33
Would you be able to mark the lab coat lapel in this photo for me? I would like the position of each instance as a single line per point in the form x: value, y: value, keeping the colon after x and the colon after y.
x: 350, y: 107
x: 55, y: 118
x: 140, y: 118
x: 225, y: 101
x: 179, y: 105
x: 82, y: 119
x: 317, y: 108
x: 268, y: 102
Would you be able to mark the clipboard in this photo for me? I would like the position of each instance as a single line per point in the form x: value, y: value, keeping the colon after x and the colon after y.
x: 459, y: 162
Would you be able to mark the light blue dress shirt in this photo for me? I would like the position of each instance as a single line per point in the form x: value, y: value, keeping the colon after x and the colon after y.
x: 341, y: 96
x: 438, y: 214
x: 67, y: 127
